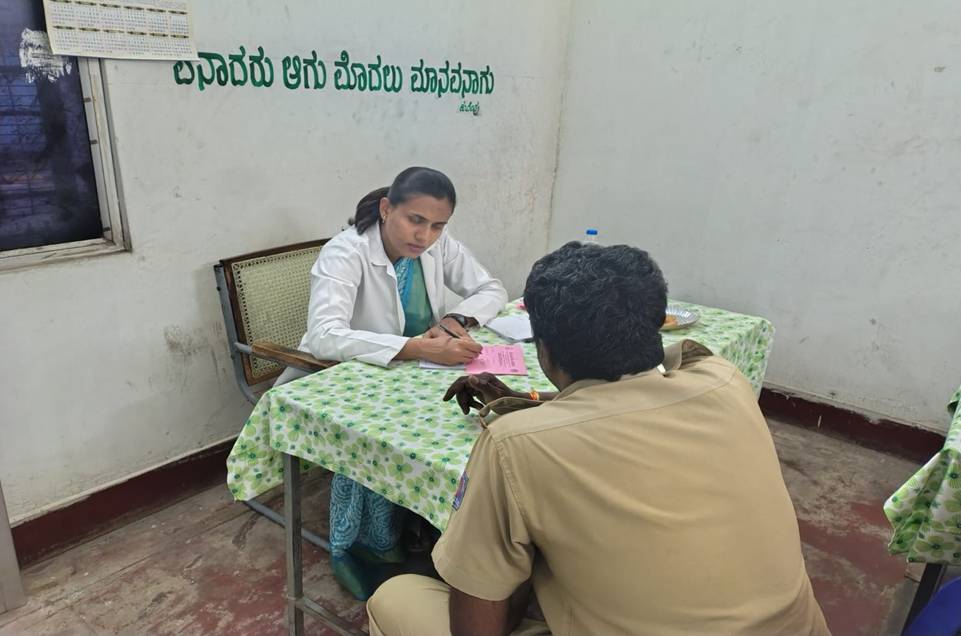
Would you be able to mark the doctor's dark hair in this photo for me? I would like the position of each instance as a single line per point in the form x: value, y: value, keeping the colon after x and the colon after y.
x: 598, y: 310
x: 410, y: 183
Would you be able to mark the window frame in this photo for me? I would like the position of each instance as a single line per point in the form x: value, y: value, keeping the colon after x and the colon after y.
x: 113, y: 220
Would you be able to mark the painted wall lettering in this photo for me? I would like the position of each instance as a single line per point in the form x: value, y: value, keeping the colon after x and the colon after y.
x: 308, y: 72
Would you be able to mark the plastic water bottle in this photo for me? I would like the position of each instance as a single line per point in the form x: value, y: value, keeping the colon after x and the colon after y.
x: 590, y: 237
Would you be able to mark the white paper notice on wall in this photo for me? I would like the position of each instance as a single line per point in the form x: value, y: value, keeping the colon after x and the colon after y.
x: 128, y: 29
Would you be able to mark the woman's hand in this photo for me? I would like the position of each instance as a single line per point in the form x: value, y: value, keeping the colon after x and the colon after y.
x: 440, y: 350
x: 485, y: 386
x: 452, y: 326
x: 446, y: 350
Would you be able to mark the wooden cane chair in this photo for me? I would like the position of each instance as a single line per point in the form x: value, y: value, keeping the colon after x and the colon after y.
x: 264, y: 297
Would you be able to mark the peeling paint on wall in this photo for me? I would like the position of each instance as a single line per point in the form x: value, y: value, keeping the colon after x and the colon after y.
x: 38, y: 60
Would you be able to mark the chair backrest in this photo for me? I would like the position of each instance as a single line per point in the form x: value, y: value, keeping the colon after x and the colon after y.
x: 264, y: 296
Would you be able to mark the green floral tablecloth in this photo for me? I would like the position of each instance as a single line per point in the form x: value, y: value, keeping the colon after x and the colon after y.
x: 389, y: 430
x: 926, y: 511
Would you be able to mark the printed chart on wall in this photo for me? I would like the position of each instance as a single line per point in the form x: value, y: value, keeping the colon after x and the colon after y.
x: 134, y: 30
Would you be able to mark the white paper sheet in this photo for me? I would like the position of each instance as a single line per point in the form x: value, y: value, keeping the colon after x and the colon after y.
x: 515, y: 328
x: 424, y: 364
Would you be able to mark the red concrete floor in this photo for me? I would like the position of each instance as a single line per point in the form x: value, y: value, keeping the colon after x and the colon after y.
x: 208, y: 565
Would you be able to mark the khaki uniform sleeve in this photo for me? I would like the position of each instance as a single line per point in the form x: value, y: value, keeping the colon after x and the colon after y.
x: 486, y: 550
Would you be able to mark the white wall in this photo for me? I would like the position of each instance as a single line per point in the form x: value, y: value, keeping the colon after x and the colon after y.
x: 794, y: 160
x: 113, y: 365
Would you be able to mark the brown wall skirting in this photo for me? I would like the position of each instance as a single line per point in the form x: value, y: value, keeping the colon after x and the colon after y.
x: 122, y: 503
x: 906, y: 441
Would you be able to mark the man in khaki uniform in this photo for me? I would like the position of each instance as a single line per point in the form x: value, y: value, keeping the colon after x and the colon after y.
x: 644, y: 498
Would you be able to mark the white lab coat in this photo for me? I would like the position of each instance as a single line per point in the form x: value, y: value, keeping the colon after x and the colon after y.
x: 355, y: 312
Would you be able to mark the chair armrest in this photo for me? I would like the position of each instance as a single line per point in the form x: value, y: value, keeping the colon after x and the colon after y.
x: 289, y: 357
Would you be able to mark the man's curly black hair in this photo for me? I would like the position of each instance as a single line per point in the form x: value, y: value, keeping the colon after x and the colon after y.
x: 598, y: 309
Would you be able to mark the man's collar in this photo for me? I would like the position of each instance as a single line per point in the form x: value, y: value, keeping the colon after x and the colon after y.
x: 577, y: 386
x: 674, y: 356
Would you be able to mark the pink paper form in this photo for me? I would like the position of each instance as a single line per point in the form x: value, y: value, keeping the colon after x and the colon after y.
x: 499, y: 360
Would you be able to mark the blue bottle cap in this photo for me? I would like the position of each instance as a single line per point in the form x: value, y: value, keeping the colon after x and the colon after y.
x: 591, y: 232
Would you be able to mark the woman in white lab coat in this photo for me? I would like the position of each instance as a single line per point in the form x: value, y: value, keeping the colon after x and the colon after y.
x: 375, y: 288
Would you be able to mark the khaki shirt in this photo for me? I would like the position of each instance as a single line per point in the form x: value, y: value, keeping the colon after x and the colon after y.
x: 650, y: 505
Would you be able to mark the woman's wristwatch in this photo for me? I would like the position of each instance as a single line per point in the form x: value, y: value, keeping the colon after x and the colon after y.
x: 462, y: 320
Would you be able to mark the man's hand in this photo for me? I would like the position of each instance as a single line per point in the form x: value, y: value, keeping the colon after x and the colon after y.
x: 472, y: 616
x: 452, y: 326
x: 486, y: 386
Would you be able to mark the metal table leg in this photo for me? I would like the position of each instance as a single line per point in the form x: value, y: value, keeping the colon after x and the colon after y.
x: 292, y: 527
x: 297, y: 603
x: 930, y: 582
x: 308, y: 536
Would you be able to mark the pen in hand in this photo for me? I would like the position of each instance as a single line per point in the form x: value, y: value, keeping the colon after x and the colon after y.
x: 448, y: 331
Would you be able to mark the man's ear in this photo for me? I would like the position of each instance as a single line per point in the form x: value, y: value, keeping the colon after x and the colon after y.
x: 544, y: 356
x: 541, y: 349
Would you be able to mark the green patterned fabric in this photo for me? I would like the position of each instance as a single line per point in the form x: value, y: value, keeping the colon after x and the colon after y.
x: 389, y: 430
x: 926, y: 511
